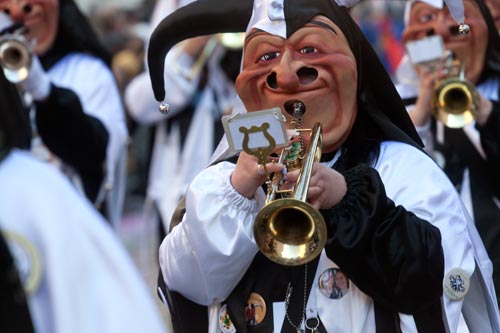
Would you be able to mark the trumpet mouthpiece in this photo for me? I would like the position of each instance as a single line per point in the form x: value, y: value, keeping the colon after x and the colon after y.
x: 295, y: 107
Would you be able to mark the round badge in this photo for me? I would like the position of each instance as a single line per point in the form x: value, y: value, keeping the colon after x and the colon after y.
x: 456, y: 284
x: 225, y: 323
x: 333, y: 283
x: 255, y: 309
x: 27, y: 260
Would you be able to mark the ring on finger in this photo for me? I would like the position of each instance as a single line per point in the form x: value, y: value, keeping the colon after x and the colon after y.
x: 260, y: 169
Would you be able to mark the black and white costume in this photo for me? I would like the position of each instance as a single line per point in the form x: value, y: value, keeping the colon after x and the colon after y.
x: 470, y: 156
x: 79, y: 126
x: 185, y: 138
x: 14, y: 309
x: 401, y: 234
x: 75, y: 273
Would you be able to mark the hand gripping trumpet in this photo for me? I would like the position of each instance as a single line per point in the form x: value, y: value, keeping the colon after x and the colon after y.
x: 288, y: 230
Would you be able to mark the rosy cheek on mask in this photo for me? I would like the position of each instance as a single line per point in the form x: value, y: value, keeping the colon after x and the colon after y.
x: 343, y: 75
x: 248, y: 85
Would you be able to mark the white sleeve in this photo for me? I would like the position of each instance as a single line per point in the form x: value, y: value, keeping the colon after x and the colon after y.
x: 139, y: 98
x: 179, y: 91
x: 206, y: 255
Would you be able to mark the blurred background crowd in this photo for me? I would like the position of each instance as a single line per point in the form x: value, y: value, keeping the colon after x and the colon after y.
x: 124, y: 29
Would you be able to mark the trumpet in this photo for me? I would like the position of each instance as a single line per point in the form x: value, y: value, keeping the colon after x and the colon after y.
x: 231, y: 41
x: 456, y: 100
x: 288, y: 230
x: 15, y: 56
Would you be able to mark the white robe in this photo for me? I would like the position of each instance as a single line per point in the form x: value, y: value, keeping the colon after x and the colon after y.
x: 205, y: 257
x: 93, y: 82
x: 79, y: 276
x: 173, y: 167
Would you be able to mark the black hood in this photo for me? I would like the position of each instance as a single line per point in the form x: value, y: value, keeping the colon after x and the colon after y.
x: 377, y: 96
x: 74, y: 34
x: 492, y: 61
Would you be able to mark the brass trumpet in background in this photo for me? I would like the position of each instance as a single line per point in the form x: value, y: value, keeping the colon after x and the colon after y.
x: 288, y: 230
x: 15, y: 56
x: 231, y: 41
x: 456, y: 100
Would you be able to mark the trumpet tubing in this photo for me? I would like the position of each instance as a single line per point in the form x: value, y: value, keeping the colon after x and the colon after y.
x: 231, y: 40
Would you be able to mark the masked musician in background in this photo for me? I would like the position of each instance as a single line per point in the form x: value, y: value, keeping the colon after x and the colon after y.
x: 199, y: 76
x: 62, y: 267
x: 77, y: 114
x: 395, y: 225
x: 469, y: 153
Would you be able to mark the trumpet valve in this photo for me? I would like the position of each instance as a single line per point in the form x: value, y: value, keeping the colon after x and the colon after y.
x: 293, y: 158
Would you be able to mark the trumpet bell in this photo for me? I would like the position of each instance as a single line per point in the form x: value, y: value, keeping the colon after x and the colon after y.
x: 290, y: 232
x: 456, y: 102
x: 15, y: 58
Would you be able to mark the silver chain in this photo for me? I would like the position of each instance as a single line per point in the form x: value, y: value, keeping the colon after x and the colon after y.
x: 287, y: 301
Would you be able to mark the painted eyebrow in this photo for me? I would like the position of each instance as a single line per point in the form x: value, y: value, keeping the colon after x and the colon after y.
x: 324, y: 25
x: 316, y: 22
x: 257, y: 31
x: 320, y: 23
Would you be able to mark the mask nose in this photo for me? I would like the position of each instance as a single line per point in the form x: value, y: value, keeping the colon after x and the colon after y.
x: 17, y: 10
x: 445, y: 27
x: 290, y: 74
x: 453, y: 30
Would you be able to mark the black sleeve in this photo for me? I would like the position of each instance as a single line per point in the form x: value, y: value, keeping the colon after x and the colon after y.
x: 490, y: 141
x: 388, y: 252
x: 77, y: 138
